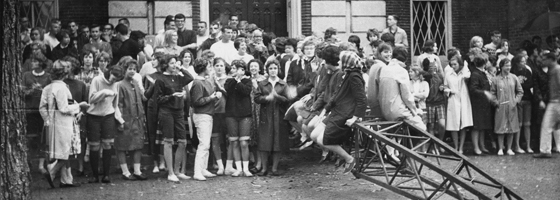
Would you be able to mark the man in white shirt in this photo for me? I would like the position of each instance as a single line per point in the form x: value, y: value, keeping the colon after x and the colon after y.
x: 50, y: 37
x: 224, y: 48
x: 493, y: 46
x: 201, y: 36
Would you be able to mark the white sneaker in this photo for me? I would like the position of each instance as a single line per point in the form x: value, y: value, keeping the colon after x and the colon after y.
x: 229, y: 171
x: 199, y: 178
x: 173, y: 178
x: 520, y: 151
x: 510, y: 152
x: 156, y: 170
x: 237, y: 173
x: 183, y: 176
x: 207, y: 174
x: 500, y: 152
x: 247, y: 173
x: 220, y: 172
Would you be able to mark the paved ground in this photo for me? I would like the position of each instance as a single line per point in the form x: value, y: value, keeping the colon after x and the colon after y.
x: 304, y: 179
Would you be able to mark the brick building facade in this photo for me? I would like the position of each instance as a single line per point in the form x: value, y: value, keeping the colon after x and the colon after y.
x: 468, y: 17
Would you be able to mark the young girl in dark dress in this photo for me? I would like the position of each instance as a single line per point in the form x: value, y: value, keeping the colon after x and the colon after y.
x: 273, y: 130
x: 130, y: 136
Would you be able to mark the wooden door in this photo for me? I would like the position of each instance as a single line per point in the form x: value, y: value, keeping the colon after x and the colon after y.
x: 270, y: 15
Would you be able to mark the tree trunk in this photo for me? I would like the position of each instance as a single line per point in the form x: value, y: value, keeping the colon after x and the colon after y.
x: 14, y: 169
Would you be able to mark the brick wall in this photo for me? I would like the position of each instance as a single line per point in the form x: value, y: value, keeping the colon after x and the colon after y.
x: 521, y: 12
x: 85, y: 12
x: 306, y: 17
x: 400, y: 8
x: 196, y: 14
x: 478, y: 17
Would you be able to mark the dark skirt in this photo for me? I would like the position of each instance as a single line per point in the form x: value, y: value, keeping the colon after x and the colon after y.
x: 483, y: 116
x: 336, y: 131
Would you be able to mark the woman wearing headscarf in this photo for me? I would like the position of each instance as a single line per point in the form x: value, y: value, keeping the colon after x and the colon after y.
x: 347, y: 105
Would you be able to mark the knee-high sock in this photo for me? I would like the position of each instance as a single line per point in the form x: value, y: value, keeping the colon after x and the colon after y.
x: 94, y: 161
x: 107, y: 153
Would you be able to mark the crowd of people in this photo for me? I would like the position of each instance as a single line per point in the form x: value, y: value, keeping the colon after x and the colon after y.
x: 233, y: 90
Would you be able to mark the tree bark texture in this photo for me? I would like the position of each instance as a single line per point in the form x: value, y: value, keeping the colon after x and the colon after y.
x: 14, y: 168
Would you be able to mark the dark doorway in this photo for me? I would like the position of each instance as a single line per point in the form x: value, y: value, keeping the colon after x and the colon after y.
x: 269, y: 15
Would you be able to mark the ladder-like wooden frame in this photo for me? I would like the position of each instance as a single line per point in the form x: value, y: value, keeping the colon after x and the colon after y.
x: 420, y: 171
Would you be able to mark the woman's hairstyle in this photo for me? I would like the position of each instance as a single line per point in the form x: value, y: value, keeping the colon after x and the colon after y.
x: 61, y: 34
x: 86, y: 53
x: 291, y: 42
x: 428, y: 46
x: 452, y: 52
x: 226, y: 65
x: 41, y: 32
x: 129, y: 63
x: 383, y: 47
x: 166, y: 59
x: 76, y: 68
x: 388, y: 38
x: 200, y: 65
x: 356, y: 40
x: 169, y: 36
x: 502, y: 43
x: 309, y: 42
x: 272, y: 62
x: 261, y: 70
x: 206, y: 54
x: 58, y: 72
x: 474, y: 39
x: 372, y: 32
x: 426, y: 63
x: 516, y: 62
x: 41, y: 54
x: 124, y: 60
x: 480, y: 60
x: 400, y: 53
x: 458, y: 59
x: 419, y: 71
x: 240, y: 64
x: 237, y: 42
x: 182, y: 55
x: 475, y: 51
x: 116, y: 71
x: 102, y: 56
x: 503, y: 62
x: 331, y: 55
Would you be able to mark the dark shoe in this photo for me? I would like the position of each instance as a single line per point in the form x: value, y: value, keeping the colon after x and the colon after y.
x: 543, y: 155
x: 81, y: 173
x: 94, y: 180
x: 263, y: 173
x: 106, y: 179
x: 276, y: 173
x: 140, y: 177
x: 350, y: 166
x: 62, y: 185
x: 128, y: 178
x: 49, y: 178
x: 254, y: 170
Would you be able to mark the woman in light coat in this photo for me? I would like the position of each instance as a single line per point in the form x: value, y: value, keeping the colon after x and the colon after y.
x: 459, y: 113
x: 59, y: 110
